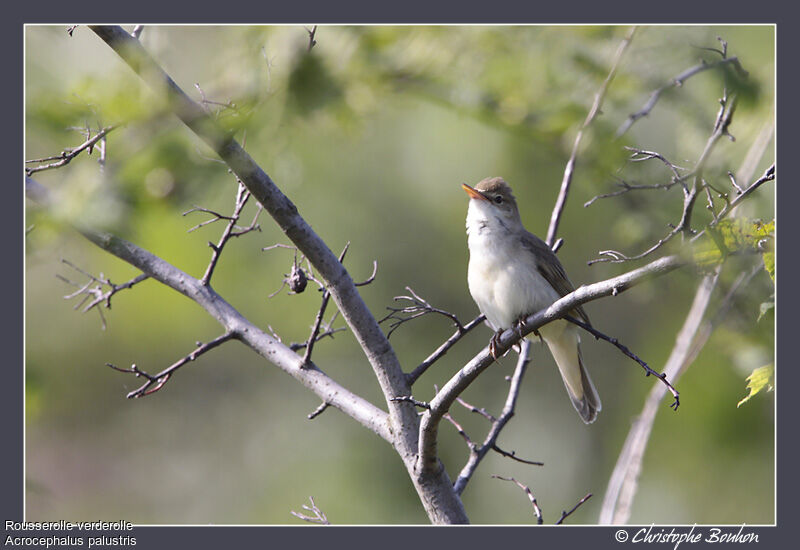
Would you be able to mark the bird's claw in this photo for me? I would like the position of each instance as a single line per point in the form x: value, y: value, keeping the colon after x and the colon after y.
x: 493, y: 343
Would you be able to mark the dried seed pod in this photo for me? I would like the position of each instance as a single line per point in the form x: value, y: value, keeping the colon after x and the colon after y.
x: 297, y: 279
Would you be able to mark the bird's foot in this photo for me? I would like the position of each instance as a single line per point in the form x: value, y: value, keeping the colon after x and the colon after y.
x: 493, y: 343
x: 520, y: 324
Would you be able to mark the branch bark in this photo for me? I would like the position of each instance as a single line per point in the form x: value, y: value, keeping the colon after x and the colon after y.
x: 434, y: 488
x: 361, y: 410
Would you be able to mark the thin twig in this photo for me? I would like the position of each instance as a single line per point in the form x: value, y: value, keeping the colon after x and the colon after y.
x: 410, y: 399
x: 513, y: 456
x: 472, y: 408
x: 67, y: 155
x: 478, y: 453
x: 319, y: 516
x: 536, y: 510
x: 470, y: 444
x: 441, y: 350
x: 565, y: 514
x: 769, y: 175
x: 94, y: 288
x: 319, y: 410
x: 721, y: 125
x: 648, y: 371
x: 419, y: 307
x: 311, y: 34
x: 242, y: 194
x: 675, y: 83
x: 156, y: 381
x: 326, y: 296
x: 566, y: 181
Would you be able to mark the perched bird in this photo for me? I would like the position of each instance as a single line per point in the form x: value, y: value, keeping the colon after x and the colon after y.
x: 513, y: 273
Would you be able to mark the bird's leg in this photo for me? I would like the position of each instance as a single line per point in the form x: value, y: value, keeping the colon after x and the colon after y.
x: 519, y: 326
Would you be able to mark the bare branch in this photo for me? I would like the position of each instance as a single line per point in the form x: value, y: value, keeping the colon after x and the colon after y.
x: 67, y: 155
x: 311, y: 34
x: 320, y: 314
x: 477, y: 453
x: 648, y: 371
x: 269, y: 347
x: 721, y: 125
x: 371, y: 277
x: 434, y: 488
x: 769, y: 175
x: 419, y: 307
x: 319, y: 517
x: 513, y: 456
x: 566, y: 181
x: 441, y: 350
x: 242, y: 194
x: 318, y: 411
x: 94, y: 288
x: 565, y: 514
x: 621, y: 486
x: 470, y: 444
x: 156, y: 382
x: 536, y: 510
x: 410, y: 399
x: 472, y: 408
x: 675, y: 83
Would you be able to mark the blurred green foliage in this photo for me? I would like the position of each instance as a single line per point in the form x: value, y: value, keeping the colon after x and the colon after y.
x: 370, y: 133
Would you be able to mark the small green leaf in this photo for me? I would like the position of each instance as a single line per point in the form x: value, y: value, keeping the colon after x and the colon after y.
x: 757, y: 381
x: 769, y: 264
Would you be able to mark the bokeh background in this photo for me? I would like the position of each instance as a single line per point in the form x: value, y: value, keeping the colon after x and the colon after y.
x: 370, y: 134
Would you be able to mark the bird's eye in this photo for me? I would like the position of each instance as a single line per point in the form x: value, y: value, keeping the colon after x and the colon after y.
x: 498, y: 199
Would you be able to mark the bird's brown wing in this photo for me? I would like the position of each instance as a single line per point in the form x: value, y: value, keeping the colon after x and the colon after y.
x: 552, y: 270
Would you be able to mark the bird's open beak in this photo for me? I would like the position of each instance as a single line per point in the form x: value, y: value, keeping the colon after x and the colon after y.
x: 473, y: 193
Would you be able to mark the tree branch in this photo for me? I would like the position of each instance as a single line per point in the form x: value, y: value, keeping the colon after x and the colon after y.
x: 622, y: 485
x: 566, y: 181
x: 565, y: 514
x: 156, y: 382
x: 434, y: 488
x: 377, y: 349
x: 477, y: 453
x: 675, y: 83
x: 624, y: 349
x: 441, y: 350
x: 67, y: 155
x: 536, y: 510
x: 721, y: 125
x: 354, y: 406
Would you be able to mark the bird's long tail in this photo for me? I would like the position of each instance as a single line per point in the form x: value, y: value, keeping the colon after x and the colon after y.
x: 564, y: 343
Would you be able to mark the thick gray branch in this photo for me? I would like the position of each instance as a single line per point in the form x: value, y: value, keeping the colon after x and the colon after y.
x: 364, y: 412
x: 435, y: 489
x: 358, y: 317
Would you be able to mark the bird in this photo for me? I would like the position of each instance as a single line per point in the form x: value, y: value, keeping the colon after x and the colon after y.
x: 512, y: 273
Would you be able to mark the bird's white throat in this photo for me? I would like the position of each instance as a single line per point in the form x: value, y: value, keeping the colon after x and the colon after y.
x: 503, y: 276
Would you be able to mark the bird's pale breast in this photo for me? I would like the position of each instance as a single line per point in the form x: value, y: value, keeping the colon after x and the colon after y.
x: 504, y: 280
